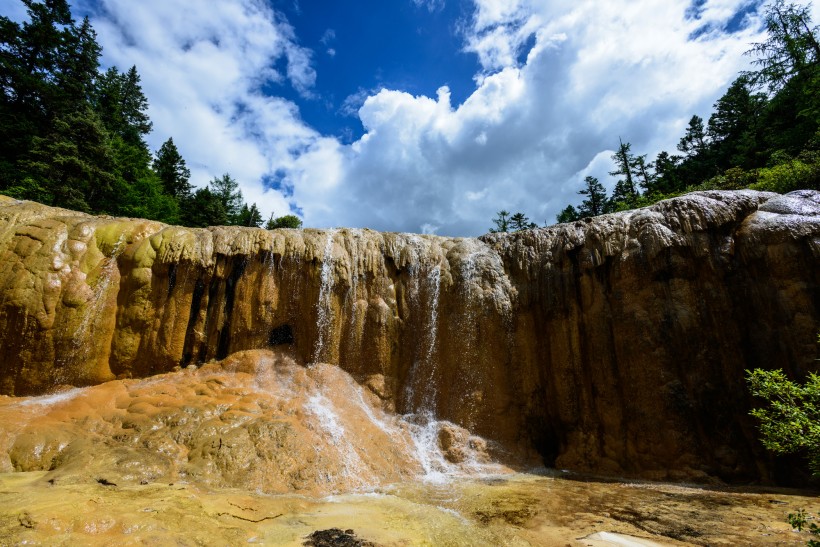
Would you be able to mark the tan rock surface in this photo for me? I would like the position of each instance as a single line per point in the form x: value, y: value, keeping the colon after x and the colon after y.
x: 256, y: 420
x: 616, y: 344
x: 510, y: 511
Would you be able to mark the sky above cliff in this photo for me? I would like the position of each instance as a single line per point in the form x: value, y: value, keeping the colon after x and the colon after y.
x: 421, y: 115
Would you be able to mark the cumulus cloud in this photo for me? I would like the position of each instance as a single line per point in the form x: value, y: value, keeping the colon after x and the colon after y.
x: 559, y: 82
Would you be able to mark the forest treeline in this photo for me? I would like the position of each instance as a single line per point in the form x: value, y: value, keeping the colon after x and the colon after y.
x: 762, y: 135
x: 74, y: 136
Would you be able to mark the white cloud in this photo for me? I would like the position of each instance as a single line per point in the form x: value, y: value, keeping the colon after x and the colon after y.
x: 431, y: 5
x: 538, y: 120
x: 203, y: 71
x: 328, y: 36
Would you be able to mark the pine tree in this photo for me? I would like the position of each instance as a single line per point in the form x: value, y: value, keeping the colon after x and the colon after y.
x: 249, y: 216
x: 698, y: 164
x: 568, y: 214
x: 37, y: 78
x: 734, y: 127
x: 792, y: 47
x: 626, y: 189
x: 667, y: 174
x: 78, y: 66
x: 520, y: 221
x: 170, y: 167
x: 204, y: 208
x: 646, y: 179
x: 693, y: 143
x: 230, y: 196
x: 73, y: 164
x: 596, y: 201
x: 122, y: 105
x: 501, y: 221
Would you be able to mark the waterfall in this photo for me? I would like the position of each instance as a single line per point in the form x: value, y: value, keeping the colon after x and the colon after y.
x: 324, y: 308
x: 428, y: 397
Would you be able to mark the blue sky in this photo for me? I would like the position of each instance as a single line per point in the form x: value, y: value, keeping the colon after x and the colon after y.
x: 361, y: 46
x: 421, y: 115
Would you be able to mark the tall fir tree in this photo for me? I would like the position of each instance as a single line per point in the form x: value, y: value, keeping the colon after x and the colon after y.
x: 170, y: 167
x: 734, y: 127
x: 226, y: 189
x: 596, y: 201
x: 626, y: 190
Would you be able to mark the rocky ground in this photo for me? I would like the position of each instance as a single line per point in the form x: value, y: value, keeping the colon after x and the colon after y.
x: 502, y: 510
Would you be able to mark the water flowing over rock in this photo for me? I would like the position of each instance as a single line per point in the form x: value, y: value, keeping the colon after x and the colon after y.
x: 616, y: 344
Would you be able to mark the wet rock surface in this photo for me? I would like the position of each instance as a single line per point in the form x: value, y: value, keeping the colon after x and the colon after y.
x: 516, y: 510
x: 256, y: 420
x: 613, y: 345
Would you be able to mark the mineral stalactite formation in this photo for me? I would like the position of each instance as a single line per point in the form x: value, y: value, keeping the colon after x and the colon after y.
x: 616, y: 344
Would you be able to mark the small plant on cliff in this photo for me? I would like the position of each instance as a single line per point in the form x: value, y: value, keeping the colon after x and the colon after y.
x: 790, y: 420
x: 790, y: 423
x: 800, y: 520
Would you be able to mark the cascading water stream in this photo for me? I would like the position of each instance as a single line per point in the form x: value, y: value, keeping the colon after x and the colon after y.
x: 428, y: 398
x: 324, y: 309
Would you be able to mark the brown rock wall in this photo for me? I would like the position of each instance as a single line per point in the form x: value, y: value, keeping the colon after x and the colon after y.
x: 615, y: 344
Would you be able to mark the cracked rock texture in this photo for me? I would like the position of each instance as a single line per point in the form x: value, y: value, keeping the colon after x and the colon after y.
x: 616, y: 344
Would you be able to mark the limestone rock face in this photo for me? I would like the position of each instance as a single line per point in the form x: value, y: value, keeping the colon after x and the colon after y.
x: 616, y: 344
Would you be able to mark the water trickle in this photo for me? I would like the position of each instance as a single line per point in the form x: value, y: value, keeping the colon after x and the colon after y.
x: 324, y: 308
x: 79, y: 338
x: 356, y: 326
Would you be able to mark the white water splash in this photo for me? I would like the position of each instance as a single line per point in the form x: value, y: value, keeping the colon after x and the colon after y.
x: 353, y: 469
x: 53, y: 399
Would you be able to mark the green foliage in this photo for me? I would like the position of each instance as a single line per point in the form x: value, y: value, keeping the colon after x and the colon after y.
x: 249, y: 216
x: 119, y: 99
x: 800, y: 520
x: 145, y: 198
x: 568, y: 214
x: 287, y: 221
x: 75, y: 137
x: 204, y: 208
x: 505, y: 222
x: 501, y: 221
x: 226, y: 189
x: 752, y: 140
x: 791, y: 174
x: 791, y: 48
x: 790, y: 419
x: 520, y: 221
x: 74, y: 163
x: 596, y: 202
x: 170, y: 167
x: 626, y: 188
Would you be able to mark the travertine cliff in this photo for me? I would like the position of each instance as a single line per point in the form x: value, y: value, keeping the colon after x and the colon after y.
x: 616, y: 344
